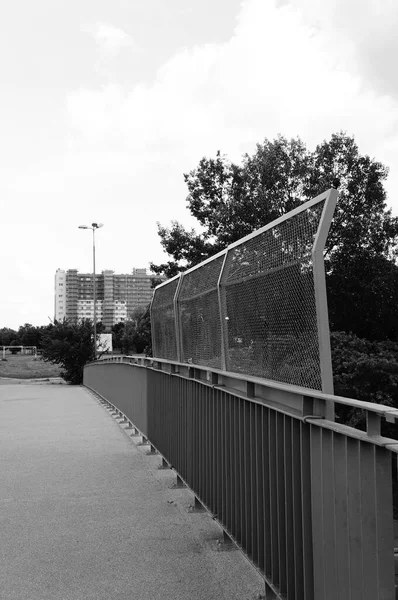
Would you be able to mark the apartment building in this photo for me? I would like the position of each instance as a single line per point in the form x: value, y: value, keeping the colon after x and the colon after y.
x: 117, y: 295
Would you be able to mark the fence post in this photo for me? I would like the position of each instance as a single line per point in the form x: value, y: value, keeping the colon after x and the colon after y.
x: 321, y: 303
x: 177, y: 319
x: 223, y: 318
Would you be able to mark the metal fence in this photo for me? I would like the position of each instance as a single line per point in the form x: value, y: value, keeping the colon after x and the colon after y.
x: 257, y: 308
x: 309, y: 501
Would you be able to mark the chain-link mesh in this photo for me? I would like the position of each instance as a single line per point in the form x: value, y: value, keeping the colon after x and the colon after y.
x: 200, y: 315
x: 268, y: 292
x: 163, y: 319
x: 263, y: 313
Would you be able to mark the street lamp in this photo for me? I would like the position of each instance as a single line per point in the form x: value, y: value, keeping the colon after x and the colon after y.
x: 94, y: 226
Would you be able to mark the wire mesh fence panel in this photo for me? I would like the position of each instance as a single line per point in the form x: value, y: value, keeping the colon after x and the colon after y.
x: 163, y: 320
x: 271, y: 319
x: 199, y: 315
x: 259, y: 307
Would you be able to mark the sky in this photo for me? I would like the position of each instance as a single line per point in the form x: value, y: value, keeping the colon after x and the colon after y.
x: 104, y: 106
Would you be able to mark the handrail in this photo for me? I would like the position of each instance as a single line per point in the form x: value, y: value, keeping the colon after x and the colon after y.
x: 265, y: 392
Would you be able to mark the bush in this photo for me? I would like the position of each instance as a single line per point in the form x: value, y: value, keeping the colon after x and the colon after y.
x: 14, y: 350
x: 71, y: 346
x: 366, y: 371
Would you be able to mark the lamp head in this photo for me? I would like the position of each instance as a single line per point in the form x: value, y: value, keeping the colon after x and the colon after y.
x: 97, y: 225
x: 83, y: 227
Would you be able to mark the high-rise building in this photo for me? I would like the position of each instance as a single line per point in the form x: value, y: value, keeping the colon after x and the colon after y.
x: 117, y: 295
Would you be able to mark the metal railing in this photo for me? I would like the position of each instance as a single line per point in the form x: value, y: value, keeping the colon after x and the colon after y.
x: 257, y: 308
x: 309, y: 501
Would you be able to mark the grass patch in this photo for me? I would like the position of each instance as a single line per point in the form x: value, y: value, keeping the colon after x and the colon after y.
x: 27, y: 367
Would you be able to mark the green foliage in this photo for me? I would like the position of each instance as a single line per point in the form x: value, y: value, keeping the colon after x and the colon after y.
x: 14, y: 350
x: 143, y: 339
x: 134, y: 335
x: 69, y: 345
x: 363, y: 295
x: 29, y: 335
x: 367, y: 371
x: 156, y: 281
x: 7, y: 335
x: 361, y: 219
x: 230, y: 201
x: 127, y: 340
x: 117, y: 336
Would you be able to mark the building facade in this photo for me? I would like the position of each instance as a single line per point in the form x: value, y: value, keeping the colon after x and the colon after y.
x: 117, y: 295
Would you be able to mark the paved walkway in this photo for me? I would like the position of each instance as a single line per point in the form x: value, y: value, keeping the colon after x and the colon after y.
x: 86, y: 515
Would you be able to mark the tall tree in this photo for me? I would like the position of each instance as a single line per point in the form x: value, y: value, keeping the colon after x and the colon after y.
x: 230, y: 201
x: 29, y: 335
x: 69, y: 345
x: 7, y: 335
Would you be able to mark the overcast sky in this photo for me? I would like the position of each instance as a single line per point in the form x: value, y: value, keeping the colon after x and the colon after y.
x: 104, y: 105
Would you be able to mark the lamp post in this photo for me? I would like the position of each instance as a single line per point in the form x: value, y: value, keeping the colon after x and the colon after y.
x: 93, y: 227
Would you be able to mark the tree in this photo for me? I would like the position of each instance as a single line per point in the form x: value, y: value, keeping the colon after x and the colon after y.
x: 156, y: 281
x: 7, y: 335
x: 127, y: 340
x: 361, y: 219
x: 230, y: 201
x: 29, y: 335
x: 363, y: 295
x: 367, y: 371
x: 117, y: 336
x: 142, y: 338
x: 70, y: 345
x: 17, y: 347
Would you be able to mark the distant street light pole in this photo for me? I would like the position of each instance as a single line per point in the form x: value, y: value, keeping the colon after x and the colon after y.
x: 94, y: 226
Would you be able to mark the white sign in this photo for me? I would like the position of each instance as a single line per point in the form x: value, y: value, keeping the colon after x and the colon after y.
x: 104, y: 343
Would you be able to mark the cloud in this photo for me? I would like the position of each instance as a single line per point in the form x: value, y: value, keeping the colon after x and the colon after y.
x: 110, y: 40
x: 277, y: 73
x: 366, y: 32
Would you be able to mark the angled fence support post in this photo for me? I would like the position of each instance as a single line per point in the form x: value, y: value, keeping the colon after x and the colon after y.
x: 321, y: 298
x: 152, y: 324
x: 177, y: 319
x: 223, y: 318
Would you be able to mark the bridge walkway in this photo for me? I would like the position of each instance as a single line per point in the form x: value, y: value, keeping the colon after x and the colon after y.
x: 87, y: 515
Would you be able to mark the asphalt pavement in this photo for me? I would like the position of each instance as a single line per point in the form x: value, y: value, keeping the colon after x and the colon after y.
x: 85, y: 514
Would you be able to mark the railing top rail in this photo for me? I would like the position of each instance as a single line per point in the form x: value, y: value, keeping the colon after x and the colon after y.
x: 255, y: 233
x: 386, y: 411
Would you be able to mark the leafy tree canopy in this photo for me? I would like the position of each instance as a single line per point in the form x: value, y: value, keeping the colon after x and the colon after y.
x: 70, y: 345
x: 7, y: 335
x: 229, y: 200
x: 367, y: 371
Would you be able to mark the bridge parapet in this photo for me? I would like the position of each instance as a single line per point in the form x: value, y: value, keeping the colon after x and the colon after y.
x: 308, y: 500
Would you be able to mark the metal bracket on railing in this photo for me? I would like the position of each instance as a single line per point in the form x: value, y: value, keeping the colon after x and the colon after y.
x: 305, y: 419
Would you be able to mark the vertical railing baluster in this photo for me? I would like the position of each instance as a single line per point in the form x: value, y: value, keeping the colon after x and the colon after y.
x: 273, y: 497
x: 281, y: 500
x: 288, y: 484
x: 306, y: 502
